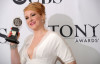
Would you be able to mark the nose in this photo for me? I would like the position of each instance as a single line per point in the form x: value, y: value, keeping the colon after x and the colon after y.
x: 30, y: 19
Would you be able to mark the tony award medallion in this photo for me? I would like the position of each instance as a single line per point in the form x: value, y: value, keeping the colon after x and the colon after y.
x: 14, y: 31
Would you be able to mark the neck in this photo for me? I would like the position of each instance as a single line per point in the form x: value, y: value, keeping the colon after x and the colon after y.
x: 40, y: 32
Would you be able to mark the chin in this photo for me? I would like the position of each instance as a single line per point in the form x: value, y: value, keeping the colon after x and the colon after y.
x: 33, y: 28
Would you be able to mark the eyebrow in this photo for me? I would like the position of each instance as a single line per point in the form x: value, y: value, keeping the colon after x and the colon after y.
x: 31, y: 13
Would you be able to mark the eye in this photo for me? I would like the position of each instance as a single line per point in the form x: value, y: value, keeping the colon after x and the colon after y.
x: 26, y: 18
x: 33, y: 14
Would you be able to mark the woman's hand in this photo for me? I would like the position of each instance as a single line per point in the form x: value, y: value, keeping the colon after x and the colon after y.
x: 10, y: 33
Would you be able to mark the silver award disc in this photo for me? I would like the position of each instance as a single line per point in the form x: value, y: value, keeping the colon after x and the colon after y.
x: 17, y: 22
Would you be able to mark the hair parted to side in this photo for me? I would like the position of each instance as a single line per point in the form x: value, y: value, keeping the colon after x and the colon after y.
x: 36, y: 6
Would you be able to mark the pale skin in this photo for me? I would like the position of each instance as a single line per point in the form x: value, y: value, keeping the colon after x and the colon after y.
x: 34, y: 21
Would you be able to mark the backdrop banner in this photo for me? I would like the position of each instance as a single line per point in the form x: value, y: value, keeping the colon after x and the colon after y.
x: 77, y: 21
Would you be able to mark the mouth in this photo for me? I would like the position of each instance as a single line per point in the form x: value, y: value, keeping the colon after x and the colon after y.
x: 32, y: 23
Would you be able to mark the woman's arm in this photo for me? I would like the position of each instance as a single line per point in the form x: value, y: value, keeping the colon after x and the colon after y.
x: 74, y: 62
x: 15, y: 58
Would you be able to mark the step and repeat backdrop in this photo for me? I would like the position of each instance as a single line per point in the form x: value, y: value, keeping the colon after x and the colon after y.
x: 77, y: 21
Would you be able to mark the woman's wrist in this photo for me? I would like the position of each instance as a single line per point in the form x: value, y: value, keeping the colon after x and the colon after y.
x: 13, y: 45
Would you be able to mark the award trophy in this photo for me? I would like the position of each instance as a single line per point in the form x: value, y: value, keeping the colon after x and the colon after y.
x: 17, y: 22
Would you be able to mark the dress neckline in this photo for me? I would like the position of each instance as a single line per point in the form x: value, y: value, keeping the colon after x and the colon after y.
x: 35, y: 48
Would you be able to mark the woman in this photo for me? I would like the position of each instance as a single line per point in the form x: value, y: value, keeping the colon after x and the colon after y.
x: 45, y: 46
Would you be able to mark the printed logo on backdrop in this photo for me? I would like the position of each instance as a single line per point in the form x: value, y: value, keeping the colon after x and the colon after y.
x: 19, y: 2
x: 3, y: 32
x: 64, y: 26
x: 93, y: 38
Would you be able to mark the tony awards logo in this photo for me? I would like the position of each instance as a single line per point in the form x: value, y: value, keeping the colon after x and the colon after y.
x: 17, y: 22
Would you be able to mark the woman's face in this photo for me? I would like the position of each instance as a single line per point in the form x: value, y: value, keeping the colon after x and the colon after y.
x: 33, y: 19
